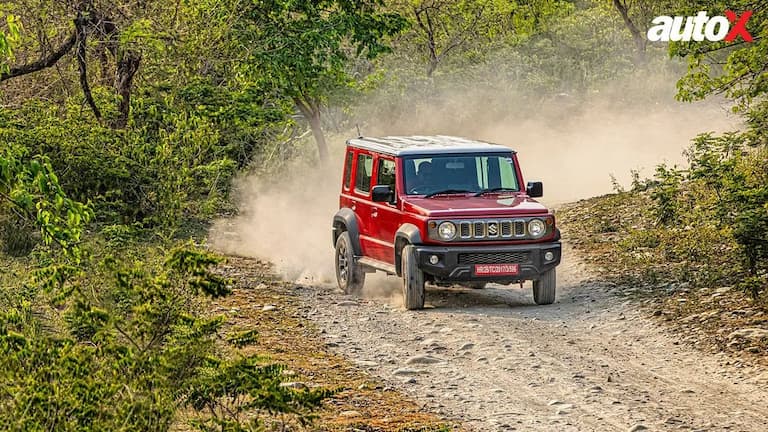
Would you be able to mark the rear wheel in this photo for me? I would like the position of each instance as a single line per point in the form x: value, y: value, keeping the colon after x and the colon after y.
x: 413, y: 279
x: 349, y: 274
x: 544, y: 288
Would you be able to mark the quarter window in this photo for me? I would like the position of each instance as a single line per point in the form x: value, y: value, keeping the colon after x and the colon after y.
x: 364, y: 171
x: 386, y: 174
x: 348, y: 170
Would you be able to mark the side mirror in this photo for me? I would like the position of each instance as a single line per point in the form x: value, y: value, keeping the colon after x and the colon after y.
x: 382, y: 193
x: 535, y: 189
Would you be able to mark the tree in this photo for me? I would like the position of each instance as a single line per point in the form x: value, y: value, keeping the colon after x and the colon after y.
x: 637, y: 16
x: 300, y: 50
x: 87, y: 30
x: 636, y: 25
x: 446, y: 26
x: 734, y: 69
x: 734, y: 165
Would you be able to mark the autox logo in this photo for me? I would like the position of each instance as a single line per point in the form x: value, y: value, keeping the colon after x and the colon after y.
x: 700, y: 27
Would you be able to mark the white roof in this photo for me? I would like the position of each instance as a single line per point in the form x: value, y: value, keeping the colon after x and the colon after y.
x: 419, y: 145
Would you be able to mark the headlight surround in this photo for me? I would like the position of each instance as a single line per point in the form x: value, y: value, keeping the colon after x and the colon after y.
x: 446, y: 231
x: 537, y: 228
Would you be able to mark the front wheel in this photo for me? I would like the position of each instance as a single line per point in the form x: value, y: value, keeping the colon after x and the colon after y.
x: 413, y: 279
x: 544, y: 288
x: 349, y: 274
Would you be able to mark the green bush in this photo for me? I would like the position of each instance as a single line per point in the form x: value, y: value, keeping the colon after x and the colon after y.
x: 131, y: 347
x: 174, y: 163
x: 716, y: 211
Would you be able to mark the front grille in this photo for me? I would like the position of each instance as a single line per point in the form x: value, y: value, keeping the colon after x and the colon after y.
x: 491, y: 229
x: 493, y: 257
x: 465, y: 230
x: 486, y: 229
x: 519, y: 228
x: 478, y: 229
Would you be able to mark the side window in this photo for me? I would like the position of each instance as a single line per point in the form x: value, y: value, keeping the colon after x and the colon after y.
x: 348, y: 171
x: 386, y: 173
x: 364, y: 171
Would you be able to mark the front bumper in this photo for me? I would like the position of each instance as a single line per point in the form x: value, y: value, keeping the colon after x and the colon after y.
x: 457, y: 263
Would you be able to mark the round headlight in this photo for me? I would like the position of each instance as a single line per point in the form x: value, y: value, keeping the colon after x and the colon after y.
x: 536, y: 228
x: 446, y: 230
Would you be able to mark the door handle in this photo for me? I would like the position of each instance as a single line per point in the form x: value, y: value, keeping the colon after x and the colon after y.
x: 354, y: 205
x: 374, y: 212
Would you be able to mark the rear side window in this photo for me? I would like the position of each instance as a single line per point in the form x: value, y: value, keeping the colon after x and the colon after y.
x: 364, y: 171
x: 386, y: 174
x: 348, y: 170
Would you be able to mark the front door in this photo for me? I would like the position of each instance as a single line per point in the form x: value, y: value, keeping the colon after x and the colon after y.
x: 385, y: 216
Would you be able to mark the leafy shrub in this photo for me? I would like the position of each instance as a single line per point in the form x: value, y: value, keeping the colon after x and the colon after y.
x: 132, y: 347
x: 718, y: 208
x: 173, y: 164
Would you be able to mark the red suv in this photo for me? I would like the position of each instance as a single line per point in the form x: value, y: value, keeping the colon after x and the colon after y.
x: 444, y: 210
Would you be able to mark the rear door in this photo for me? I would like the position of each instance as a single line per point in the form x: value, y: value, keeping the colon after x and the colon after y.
x: 360, y: 200
x: 385, y: 217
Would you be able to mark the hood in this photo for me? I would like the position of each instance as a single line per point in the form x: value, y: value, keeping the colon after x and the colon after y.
x: 466, y: 205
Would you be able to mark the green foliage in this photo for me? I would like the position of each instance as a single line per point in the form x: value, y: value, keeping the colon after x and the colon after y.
x: 131, y: 347
x: 733, y: 69
x: 8, y: 40
x: 302, y: 48
x: 255, y: 387
x: 30, y: 191
x: 725, y: 189
x: 666, y: 192
x: 174, y: 169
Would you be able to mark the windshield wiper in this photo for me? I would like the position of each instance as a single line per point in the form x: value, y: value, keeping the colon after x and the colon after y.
x: 447, y: 191
x: 498, y: 189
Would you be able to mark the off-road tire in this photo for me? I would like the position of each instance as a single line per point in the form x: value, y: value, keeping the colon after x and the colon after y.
x: 475, y: 285
x: 413, y: 279
x: 544, y: 288
x: 349, y: 274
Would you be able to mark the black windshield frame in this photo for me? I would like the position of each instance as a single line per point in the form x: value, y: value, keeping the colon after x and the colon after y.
x: 473, y: 172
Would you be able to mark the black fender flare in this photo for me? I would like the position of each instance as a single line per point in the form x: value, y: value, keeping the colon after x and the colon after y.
x: 346, y: 220
x: 406, y: 234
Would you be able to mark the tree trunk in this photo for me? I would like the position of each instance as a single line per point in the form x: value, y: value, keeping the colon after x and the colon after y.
x: 80, y: 53
x: 638, y: 37
x: 317, y: 132
x: 431, y: 66
x: 126, y: 69
x: 311, y: 112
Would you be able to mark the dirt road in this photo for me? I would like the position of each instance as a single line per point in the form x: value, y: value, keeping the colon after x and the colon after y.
x: 590, y: 362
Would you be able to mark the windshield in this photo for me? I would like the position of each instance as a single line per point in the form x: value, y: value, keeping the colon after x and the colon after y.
x: 460, y: 173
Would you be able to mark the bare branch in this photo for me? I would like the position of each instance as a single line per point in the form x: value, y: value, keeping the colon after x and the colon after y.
x: 43, y: 63
x: 81, y: 40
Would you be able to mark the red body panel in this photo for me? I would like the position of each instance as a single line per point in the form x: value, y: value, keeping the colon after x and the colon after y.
x: 378, y: 222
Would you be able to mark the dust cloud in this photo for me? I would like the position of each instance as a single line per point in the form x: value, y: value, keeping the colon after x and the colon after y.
x: 571, y: 144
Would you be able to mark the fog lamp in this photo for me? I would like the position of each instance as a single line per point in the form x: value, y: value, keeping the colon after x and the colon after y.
x: 549, y: 256
x: 434, y: 259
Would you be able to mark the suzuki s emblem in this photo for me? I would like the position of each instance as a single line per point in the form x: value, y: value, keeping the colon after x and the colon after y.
x: 493, y: 229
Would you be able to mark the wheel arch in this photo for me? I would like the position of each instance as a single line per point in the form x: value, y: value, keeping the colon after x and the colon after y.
x: 346, y: 220
x: 407, y: 234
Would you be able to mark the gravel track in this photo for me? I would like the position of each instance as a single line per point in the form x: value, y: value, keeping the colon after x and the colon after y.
x: 495, y: 361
